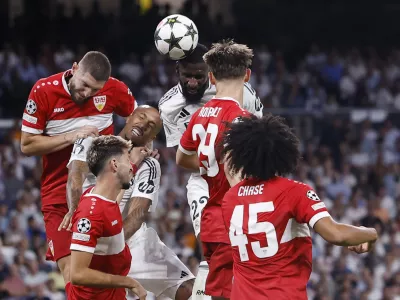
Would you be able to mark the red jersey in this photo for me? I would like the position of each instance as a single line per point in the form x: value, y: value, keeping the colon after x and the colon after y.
x: 203, y: 135
x: 51, y: 111
x: 271, y: 241
x: 98, y: 229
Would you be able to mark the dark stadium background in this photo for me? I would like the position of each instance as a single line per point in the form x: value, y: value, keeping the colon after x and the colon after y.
x: 331, y: 67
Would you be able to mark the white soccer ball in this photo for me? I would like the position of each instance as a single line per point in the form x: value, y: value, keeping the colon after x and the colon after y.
x: 176, y: 36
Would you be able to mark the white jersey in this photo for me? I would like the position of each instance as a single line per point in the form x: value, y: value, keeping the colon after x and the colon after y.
x: 145, y: 183
x: 176, y: 113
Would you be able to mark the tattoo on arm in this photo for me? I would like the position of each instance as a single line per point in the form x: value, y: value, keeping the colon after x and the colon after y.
x: 76, y: 176
x: 137, y: 214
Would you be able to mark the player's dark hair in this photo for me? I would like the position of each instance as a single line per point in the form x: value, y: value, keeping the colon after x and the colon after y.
x: 261, y: 148
x: 97, y: 64
x: 195, y: 57
x: 102, y: 149
x: 228, y: 60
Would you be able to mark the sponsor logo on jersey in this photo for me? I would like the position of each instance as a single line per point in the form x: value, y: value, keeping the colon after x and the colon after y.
x: 100, y: 102
x: 84, y: 225
x: 80, y: 237
x: 318, y: 206
x: 59, y: 109
x: 184, y: 274
x: 30, y: 119
x: 31, y: 107
x: 115, y: 222
x: 312, y: 195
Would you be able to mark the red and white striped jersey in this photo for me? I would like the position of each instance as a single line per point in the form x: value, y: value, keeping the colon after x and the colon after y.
x: 97, y: 228
x: 50, y: 111
x: 268, y: 223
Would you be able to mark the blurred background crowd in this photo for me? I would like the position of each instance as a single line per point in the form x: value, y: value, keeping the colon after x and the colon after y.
x: 342, y: 97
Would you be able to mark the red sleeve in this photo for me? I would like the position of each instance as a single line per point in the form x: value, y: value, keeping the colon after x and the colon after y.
x: 36, y: 110
x: 187, y: 145
x: 308, y: 207
x: 126, y: 103
x: 86, y: 230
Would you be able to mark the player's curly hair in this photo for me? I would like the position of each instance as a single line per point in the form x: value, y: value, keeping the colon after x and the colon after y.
x: 261, y: 148
x: 228, y: 60
x: 97, y: 65
x: 102, y: 149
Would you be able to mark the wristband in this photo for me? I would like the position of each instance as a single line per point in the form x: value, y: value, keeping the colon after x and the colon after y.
x: 134, y: 168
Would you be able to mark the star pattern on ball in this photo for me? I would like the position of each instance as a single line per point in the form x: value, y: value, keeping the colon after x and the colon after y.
x: 191, y: 31
x: 172, y: 21
x: 157, y: 36
x: 173, y: 42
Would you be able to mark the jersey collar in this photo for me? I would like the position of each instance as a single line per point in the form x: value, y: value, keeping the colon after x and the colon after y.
x: 64, y: 82
x: 90, y: 194
x: 226, y: 99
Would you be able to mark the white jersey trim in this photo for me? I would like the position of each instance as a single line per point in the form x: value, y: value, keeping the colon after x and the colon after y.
x: 187, y: 152
x: 317, y: 217
x: 64, y: 82
x: 82, y: 248
x: 98, y: 196
x: 31, y: 130
x: 56, y: 127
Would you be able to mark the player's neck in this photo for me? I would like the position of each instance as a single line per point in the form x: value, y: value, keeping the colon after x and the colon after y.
x: 106, y: 187
x: 230, y: 88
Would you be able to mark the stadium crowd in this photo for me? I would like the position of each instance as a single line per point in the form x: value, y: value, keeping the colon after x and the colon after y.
x: 354, y: 169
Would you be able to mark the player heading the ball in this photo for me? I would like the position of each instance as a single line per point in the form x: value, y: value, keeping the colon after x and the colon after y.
x: 268, y: 216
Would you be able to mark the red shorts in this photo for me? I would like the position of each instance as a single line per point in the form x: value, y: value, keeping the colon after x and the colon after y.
x: 59, y: 242
x: 220, y: 263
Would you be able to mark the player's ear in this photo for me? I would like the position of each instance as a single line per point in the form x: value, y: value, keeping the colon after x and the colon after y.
x: 247, y: 76
x: 211, y: 77
x: 74, y: 68
x: 114, y: 165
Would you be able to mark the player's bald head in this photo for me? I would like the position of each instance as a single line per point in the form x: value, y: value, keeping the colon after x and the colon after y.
x: 153, y: 112
x: 97, y: 65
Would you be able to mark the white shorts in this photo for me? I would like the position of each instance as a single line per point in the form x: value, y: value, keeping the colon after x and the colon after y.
x: 154, y: 265
x: 197, y: 194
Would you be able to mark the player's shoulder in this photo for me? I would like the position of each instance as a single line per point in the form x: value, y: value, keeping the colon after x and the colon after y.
x: 47, y: 85
x: 150, y: 166
x: 116, y: 85
x: 171, y: 99
x: 292, y: 185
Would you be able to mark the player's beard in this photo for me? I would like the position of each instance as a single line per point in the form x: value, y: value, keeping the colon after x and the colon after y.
x: 73, y: 92
x: 126, y: 186
x: 194, y: 98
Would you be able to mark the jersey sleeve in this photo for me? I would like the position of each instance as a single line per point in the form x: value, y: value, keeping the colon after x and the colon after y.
x: 308, y: 208
x: 80, y: 149
x: 187, y: 144
x: 147, y: 182
x: 172, y: 134
x: 251, y: 102
x: 36, y: 110
x: 126, y: 103
x: 86, y: 230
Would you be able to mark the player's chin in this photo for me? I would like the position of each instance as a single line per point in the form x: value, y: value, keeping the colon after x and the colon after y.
x: 137, y: 141
x: 126, y: 185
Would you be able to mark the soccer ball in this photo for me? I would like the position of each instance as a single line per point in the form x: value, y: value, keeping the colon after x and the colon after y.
x: 176, y: 36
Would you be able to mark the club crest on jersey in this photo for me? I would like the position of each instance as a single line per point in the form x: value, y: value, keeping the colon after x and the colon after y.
x: 99, y: 102
x: 312, y: 195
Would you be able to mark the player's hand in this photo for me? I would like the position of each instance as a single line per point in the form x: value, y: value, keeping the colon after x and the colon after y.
x: 138, y: 154
x: 82, y: 133
x: 155, y: 154
x: 362, y: 248
x: 138, y: 290
x: 66, y: 222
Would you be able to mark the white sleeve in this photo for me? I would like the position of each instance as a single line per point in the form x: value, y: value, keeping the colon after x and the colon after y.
x: 147, y: 181
x: 172, y: 134
x: 79, y: 152
x: 251, y: 102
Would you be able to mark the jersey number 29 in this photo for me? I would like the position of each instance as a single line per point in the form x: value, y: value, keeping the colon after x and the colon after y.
x: 206, y: 150
x: 239, y: 239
